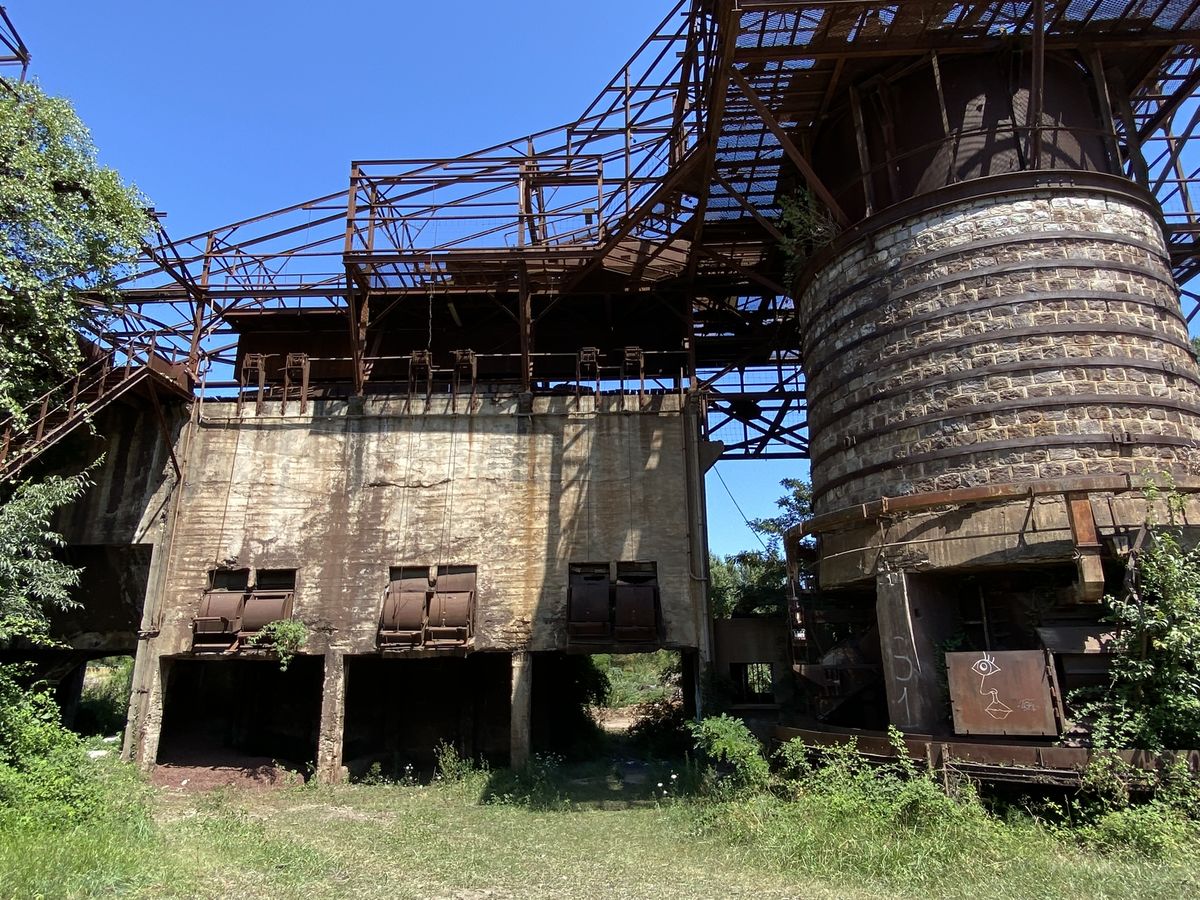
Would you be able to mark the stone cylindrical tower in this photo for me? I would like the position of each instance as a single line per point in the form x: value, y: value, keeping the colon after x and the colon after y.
x: 995, y: 360
x: 1027, y: 332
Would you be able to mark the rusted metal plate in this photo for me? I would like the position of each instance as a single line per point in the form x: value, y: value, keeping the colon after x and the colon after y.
x: 403, y: 619
x: 988, y: 761
x: 636, y: 612
x: 449, y: 617
x: 589, y: 609
x: 263, y: 607
x: 219, y: 620
x: 450, y: 606
x: 1001, y: 692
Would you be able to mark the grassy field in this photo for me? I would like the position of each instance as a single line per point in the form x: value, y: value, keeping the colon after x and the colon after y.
x: 603, y: 837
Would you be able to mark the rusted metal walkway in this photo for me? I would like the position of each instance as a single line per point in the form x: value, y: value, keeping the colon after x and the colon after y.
x: 109, y: 374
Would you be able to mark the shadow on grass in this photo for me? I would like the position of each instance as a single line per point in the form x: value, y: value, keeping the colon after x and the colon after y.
x: 620, y: 775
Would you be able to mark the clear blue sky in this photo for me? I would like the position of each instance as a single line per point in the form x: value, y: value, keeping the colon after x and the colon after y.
x: 223, y: 110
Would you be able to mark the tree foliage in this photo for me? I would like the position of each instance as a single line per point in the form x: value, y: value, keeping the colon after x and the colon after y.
x: 33, y: 580
x: 750, y: 583
x: 754, y: 582
x: 794, y: 507
x: 68, y: 229
x: 1153, y: 701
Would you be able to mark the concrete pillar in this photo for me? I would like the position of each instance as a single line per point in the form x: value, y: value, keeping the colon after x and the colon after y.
x: 520, y: 722
x: 914, y: 618
x: 143, y: 741
x: 333, y: 720
x: 145, y: 696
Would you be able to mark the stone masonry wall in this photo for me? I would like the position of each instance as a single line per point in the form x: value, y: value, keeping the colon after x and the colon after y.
x: 1003, y: 339
x: 342, y: 495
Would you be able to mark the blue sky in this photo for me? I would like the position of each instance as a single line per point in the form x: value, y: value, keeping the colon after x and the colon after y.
x: 222, y: 110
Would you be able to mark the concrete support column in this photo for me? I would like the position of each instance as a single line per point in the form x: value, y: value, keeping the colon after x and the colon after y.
x: 144, y: 739
x: 521, y: 721
x: 913, y: 619
x: 333, y: 720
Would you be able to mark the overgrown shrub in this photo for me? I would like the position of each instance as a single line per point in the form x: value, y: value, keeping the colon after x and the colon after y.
x: 732, y: 752
x: 45, y: 775
x: 537, y: 786
x: 452, y: 766
x: 569, y: 687
x: 1155, y: 829
x: 660, y: 729
x: 1153, y: 700
x: 636, y: 678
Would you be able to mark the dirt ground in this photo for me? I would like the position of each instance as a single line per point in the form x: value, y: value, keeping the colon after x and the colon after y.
x: 206, y: 773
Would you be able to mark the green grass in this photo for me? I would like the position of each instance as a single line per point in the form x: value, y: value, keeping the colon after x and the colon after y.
x: 812, y: 838
x: 443, y: 841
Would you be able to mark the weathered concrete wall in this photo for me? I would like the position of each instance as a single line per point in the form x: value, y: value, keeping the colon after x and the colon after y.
x: 345, y: 493
x: 998, y: 339
x: 132, y: 486
x: 756, y: 641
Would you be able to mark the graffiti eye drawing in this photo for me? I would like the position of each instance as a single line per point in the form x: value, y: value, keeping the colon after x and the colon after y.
x: 985, y: 666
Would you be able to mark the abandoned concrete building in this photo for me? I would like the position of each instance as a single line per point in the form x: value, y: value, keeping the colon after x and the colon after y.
x: 456, y: 417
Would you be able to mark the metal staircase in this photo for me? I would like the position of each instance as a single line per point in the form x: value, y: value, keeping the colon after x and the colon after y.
x: 110, y: 373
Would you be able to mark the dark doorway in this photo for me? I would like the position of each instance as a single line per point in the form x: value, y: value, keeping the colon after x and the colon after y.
x: 399, y: 710
x: 241, y: 712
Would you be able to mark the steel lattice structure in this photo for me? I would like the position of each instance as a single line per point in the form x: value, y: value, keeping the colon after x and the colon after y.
x: 655, y: 217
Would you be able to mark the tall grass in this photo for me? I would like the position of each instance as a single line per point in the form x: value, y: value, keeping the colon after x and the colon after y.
x: 898, y: 831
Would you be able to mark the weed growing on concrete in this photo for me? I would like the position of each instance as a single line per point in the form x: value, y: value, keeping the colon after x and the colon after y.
x: 284, y: 636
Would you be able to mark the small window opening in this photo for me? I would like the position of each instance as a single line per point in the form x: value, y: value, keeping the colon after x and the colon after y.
x: 752, y: 682
x: 275, y: 580
x: 228, y: 579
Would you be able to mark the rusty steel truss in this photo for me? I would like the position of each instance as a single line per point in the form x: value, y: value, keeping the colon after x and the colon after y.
x: 13, y: 52
x: 652, y: 223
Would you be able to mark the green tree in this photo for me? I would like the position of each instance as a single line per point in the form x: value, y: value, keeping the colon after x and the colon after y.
x: 754, y: 582
x: 794, y: 507
x: 750, y: 583
x: 32, y: 580
x: 68, y: 230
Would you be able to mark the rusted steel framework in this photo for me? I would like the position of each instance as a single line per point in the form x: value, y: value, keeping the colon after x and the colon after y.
x: 13, y: 52
x: 656, y: 220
